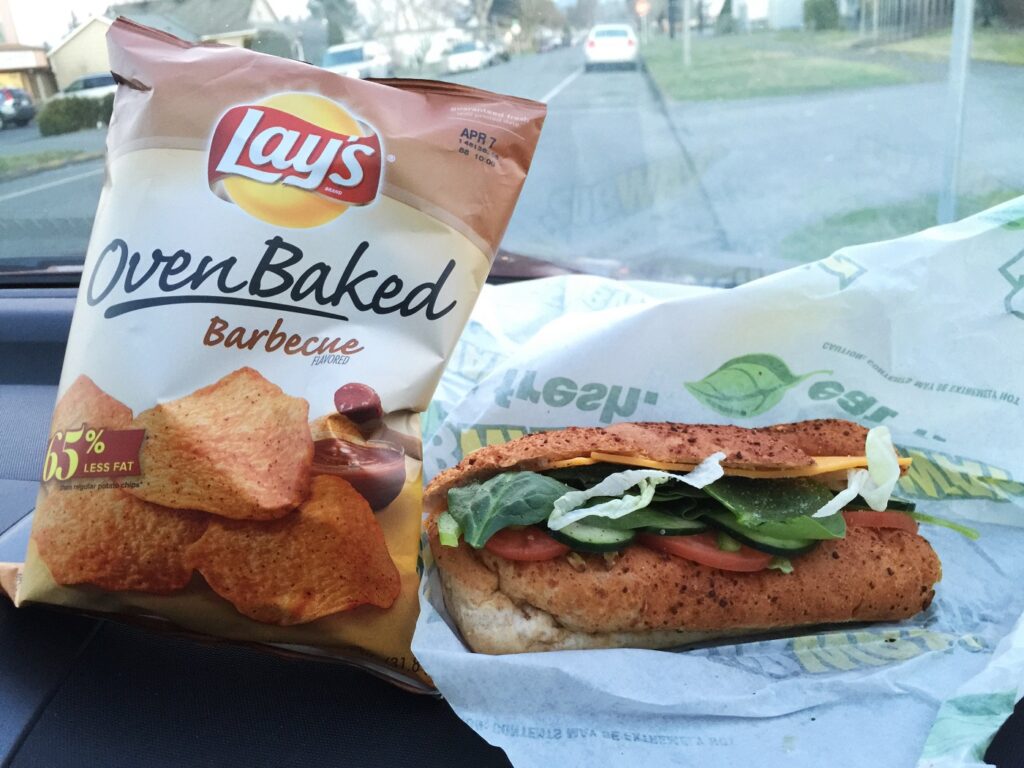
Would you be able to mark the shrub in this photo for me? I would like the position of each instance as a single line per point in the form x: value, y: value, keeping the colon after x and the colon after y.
x: 106, y: 108
x: 73, y: 114
x: 821, y: 14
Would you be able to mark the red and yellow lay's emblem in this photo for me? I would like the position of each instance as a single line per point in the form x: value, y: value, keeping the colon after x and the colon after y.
x: 294, y: 160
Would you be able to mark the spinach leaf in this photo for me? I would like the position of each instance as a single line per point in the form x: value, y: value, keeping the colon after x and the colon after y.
x: 512, y: 498
x: 832, y: 527
x: 779, y: 508
x: 589, y: 475
x: 583, y: 477
x: 651, y: 516
x: 675, y: 489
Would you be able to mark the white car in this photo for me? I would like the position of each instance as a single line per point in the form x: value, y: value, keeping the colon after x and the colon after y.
x: 360, y: 60
x: 465, y: 57
x: 609, y: 44
x: 89, y: 87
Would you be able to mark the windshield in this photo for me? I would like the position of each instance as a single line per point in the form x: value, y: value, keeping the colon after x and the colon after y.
x: 715, y: 142
x: 347, y: 56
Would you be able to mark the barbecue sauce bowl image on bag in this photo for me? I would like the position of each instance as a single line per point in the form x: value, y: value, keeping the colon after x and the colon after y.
x: 280, y: 265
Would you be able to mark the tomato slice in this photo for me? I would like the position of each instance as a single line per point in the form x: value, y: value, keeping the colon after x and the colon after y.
x: 703, y: 548
x: 525, y: 544
x: 868, y: 518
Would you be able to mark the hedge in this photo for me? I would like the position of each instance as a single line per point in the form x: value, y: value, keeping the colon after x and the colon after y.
x: 821, y: 14
x: 74, y: 114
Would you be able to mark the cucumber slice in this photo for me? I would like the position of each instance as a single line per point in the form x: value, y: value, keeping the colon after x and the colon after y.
x: 677, y: 527
x: 591, y: 538
x: 650, y: 521
x: 724, y: 521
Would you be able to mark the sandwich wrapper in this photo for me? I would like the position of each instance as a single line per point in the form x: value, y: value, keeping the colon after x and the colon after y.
x: 923, y: 334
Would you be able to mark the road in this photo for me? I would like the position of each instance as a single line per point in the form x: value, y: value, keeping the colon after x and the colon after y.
x: 624, y: 185
x: 48, y: 215
x: 611, y: 190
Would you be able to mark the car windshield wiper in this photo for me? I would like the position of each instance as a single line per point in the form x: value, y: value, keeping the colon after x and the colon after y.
x: 510, y: 267
x: 21, y: 276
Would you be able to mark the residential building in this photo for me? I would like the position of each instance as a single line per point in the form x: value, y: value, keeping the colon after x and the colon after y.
x: 22, y: 66
x: 245, y: 23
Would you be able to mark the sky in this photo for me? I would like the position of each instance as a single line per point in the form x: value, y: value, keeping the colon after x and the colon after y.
x: 39, y: 22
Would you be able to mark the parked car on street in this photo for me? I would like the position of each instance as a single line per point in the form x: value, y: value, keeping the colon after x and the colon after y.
x: 611, y: 44
x: 497, y: 52
x: 90, y: 87
x: 467, y: 56
x: 16, y: 107
x: 362, y: 59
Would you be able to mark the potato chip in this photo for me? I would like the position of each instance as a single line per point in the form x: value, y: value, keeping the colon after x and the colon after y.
x: 109, y: 539
x: 85, y: 403
x: 329, y: 556
x: 239, y: 448
x: 336, y: 426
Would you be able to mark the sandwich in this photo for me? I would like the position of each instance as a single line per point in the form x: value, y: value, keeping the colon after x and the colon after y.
x: 661, y: 535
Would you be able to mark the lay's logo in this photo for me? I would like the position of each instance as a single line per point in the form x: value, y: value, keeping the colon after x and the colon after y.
x: 294, y: 160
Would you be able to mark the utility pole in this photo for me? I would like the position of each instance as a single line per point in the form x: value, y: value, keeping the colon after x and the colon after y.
x: 959, y: 64
x: 687, y: 59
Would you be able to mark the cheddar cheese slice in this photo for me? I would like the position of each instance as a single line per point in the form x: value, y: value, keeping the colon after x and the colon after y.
x: 823, y: 465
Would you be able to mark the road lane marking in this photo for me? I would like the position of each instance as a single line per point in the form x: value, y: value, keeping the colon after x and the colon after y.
x: 50, y: 185
x: 561, y: 86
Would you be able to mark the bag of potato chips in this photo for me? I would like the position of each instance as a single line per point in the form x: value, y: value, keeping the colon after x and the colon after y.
x: 281, y: 262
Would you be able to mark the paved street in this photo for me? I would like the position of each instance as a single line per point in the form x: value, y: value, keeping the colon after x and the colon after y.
x: 623, y: 185
x: 26, y: 140
x: 610, y: 185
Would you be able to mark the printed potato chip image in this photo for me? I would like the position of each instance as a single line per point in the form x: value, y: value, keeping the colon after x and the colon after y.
x: 84, y: 402
x: 239, y: 448
x: 109, y: 539
x: 329, y: 556
x: 336, y: 426
x: 106, y: 537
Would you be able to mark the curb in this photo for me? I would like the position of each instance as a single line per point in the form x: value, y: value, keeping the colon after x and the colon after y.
x: 691, y: 166
x: 52, y: 166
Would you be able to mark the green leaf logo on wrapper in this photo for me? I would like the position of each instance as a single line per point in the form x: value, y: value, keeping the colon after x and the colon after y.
x: 1013, y: 272
x: 843, y: 267
x: 746, y: 386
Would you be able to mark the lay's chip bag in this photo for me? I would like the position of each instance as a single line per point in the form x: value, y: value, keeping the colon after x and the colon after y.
x: 281, y: 262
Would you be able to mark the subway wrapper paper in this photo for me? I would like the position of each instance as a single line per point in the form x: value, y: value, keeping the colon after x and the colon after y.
x: 924, y: 335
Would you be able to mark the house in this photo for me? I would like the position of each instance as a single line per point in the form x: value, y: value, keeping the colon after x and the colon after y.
x: 26, y: 67
x: 232, y: 22
x: 22, y: 66
x: 83, y: 51
x: 245, y: 23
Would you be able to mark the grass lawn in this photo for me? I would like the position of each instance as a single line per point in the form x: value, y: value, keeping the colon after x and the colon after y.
x: 38, y: 161
x: 765, y: 64
x: 868, y: 225
x: 999, y: 45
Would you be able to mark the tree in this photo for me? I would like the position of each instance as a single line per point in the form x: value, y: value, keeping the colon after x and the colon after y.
x: 341, y: 15
x: 482, y: 13
x: 583, y: 14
